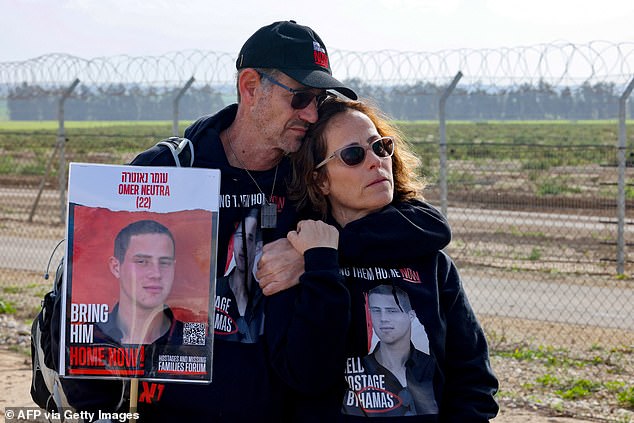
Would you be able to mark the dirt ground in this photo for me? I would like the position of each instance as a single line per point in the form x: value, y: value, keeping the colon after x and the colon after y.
x: 15, y: 381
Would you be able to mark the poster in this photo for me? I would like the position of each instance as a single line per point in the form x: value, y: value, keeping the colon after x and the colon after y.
x: 140, y: 270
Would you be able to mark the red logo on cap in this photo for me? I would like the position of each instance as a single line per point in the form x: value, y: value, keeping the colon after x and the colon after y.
x: 321, y: 58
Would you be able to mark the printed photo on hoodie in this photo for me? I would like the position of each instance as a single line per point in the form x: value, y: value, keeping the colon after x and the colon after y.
x: 395, y: 378
x: 239, y: 308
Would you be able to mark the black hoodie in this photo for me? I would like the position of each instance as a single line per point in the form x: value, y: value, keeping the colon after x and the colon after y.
x: 446, y: 375
x: 296, y: 357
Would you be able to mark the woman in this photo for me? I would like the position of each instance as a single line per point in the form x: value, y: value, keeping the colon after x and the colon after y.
x: 415, y: 347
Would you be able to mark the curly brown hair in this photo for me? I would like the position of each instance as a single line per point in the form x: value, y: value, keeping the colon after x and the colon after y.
x: 305, y: 179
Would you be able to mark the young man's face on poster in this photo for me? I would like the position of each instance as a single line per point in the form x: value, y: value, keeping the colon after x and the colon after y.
x: 250, y: 226
x: 389, y: 322
x: 146, y: 274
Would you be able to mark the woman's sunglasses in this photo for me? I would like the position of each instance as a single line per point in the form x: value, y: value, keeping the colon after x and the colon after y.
x: 353, y: 155
x: 301, y: 98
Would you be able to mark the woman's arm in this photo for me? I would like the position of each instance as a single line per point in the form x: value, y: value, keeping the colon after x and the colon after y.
x: 409, y: 222
x: 306, y: 326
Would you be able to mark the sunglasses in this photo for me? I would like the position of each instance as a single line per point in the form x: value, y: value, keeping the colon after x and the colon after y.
x: 353, y: 155
x: 301, y: 98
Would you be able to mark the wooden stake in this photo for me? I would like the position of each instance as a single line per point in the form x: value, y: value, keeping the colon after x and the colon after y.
x: 134, y: 397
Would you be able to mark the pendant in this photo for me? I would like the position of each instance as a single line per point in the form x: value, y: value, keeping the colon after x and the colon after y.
x: 268, y: 215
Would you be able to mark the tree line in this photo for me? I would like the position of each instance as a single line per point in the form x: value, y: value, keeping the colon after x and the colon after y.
x: 417, y: 101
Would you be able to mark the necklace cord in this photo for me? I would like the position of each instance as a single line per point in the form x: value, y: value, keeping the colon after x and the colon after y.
x: 229, y: 141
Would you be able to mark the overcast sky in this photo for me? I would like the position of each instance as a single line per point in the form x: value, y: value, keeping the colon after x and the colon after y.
x: 96, y: 28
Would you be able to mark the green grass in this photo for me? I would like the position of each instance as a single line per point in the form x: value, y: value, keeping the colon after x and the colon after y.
x: 579, y: 388
x: 556, y: 187
x: 535, y: 254
x: 52, y: 125
x: 548, y: 356
x: 589, y: 378
x: 476, y: 150
x: 12, y: 289
x: 83, y: 137
x: 626, y: 397
x: 7, y: 307
x: 548, y: 380
x: 513, y: 122
x: 26, y: 147
x: 601, y: 132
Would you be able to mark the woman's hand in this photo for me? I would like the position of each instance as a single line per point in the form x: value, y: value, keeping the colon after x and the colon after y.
x: 312, y: 234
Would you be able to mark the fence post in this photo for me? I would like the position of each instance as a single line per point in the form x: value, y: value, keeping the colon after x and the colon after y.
x: 443, y: 142
x: 49, y: 164
x: 61, y: 140
x: 177, y: 99
x: 620, y: 255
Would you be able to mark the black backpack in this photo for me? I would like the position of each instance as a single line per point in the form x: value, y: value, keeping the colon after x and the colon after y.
x: 182, y: 150
x: 46, y: 385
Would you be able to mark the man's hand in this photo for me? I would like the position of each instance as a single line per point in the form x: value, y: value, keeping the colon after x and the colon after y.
x: 280, y: 267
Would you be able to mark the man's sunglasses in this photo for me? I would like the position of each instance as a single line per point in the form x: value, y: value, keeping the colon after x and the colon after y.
x: 353, y: 155
x: 301, y: 98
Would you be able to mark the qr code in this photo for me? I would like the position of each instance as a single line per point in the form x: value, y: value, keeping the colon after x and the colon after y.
x: 194, y: 333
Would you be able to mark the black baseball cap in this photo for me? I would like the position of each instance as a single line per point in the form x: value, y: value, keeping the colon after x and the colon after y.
x: 295, y: 50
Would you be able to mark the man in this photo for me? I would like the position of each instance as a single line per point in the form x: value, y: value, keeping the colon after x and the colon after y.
x: 406, y: 373
x: 283, y: 73
x: 143, y: 263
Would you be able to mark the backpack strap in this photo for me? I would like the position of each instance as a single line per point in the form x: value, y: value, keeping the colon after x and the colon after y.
x: 182, y: 150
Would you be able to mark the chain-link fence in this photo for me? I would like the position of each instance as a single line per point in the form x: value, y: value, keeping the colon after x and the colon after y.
x: 541, y: 212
